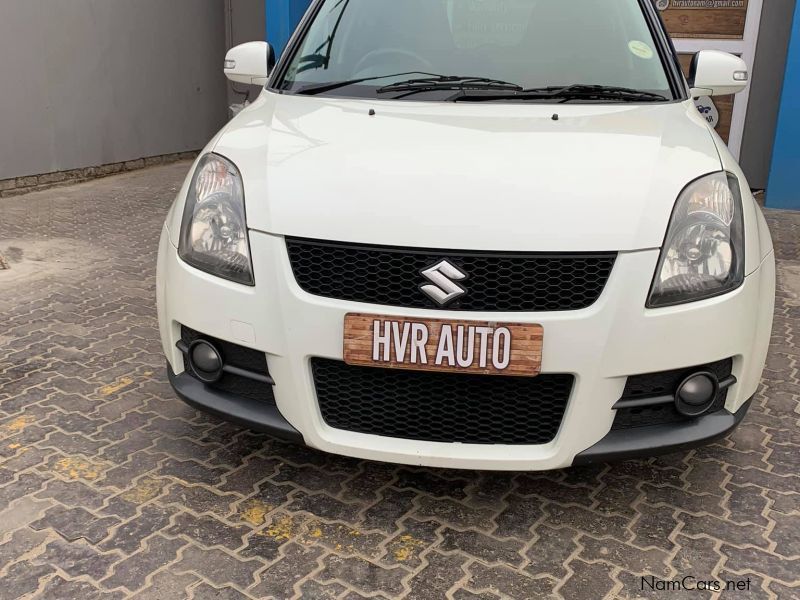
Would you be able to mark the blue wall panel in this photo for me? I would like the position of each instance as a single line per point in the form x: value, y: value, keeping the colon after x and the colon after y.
x: 783, y: 190
x: 282, y: 18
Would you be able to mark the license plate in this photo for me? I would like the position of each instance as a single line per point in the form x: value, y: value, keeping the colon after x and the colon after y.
x: 487, y: 348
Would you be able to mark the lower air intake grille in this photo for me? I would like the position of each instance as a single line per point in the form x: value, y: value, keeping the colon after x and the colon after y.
x: 441, y: 407
x: 665, y: 383
x: 237, y: 356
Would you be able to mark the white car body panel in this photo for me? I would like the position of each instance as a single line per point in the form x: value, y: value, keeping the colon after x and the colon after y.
x: 434, y: 175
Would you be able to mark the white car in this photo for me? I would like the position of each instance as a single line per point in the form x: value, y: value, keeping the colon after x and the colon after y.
x: 471, y: 234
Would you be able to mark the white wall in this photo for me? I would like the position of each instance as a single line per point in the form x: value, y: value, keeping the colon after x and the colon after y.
x: 91, y: 82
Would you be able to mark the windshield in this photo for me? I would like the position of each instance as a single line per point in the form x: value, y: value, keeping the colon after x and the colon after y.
x: 526, y: 43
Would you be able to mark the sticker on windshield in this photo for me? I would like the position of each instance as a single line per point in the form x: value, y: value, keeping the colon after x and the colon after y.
x: 641, y: 49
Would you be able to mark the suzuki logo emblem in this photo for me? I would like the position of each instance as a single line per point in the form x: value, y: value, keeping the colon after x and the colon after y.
x: 443, y: 288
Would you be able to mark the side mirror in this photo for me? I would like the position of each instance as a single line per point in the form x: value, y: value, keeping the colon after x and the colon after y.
x: 715, y: 73
x: 248, y: 63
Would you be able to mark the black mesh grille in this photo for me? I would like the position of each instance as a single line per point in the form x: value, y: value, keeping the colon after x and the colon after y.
x: 661, y: 384
x: 496, y: 281
x: 441, y: 407
x: 237, y: 356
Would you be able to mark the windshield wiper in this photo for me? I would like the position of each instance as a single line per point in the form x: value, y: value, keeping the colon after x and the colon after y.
x: 581, y: 90
x: 316, y: 59
x: 571, y: 92
x: 312, y: 61
x: 508, y: 90
x: 327, y: 87
x: 449, y: 82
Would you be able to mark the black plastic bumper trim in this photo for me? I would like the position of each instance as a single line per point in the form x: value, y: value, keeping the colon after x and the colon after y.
x: 641, y: 402
x: 666, y: 399
x: 622, y: 444
x: 184, y: 349
x: 252, y: 414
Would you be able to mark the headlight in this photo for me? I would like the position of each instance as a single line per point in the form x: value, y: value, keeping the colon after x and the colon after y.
x: 214, y: 229
x: 703, y: 254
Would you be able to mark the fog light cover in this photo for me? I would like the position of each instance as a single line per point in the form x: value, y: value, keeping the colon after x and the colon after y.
x: 214, y: 229
x: 205, y: 361
x: 696, y: 394
x: 703, y: 254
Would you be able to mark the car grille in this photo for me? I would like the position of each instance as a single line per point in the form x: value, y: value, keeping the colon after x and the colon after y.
x: 236, y: 356
x: 504, y: 282
x: 665, y: 383
x: 441, y: 407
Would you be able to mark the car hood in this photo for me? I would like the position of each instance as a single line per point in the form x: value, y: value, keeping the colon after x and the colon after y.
x: 484, y: 176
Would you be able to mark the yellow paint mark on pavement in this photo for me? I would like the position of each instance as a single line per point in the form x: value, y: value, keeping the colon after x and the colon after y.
x: 281, y: 529
x: 113, y: 388
x: 406, y: 546
x: 335, y: 536
x: 77, y: 468
x: 17, y: 424
x: 254, y: 512
x: 145, y: 490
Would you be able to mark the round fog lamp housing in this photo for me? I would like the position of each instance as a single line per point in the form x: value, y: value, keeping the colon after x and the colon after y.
x: 205, y: 360
x: 696, y: 394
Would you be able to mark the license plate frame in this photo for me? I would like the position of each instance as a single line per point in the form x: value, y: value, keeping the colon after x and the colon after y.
x: 519, y: 355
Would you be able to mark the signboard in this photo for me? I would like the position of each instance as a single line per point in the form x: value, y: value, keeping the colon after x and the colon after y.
x: 707, y: 19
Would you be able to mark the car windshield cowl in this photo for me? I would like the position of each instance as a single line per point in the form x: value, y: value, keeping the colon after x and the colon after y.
x: 491, y: 89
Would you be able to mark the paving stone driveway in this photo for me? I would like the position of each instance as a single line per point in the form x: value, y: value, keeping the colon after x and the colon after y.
x: 109, y: 486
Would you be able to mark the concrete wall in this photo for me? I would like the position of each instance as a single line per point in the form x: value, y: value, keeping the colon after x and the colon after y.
x: 91, y: 82
x: 765, y: 90
x: 246, y: 22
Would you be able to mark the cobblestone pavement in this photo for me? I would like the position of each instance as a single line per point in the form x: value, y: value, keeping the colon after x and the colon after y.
x: 110, y: 486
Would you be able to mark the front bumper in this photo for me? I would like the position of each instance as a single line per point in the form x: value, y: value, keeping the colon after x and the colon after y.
x: 617, y: 445
x: 237, y: 409
x: 601, y: 346
x: 662, y: 439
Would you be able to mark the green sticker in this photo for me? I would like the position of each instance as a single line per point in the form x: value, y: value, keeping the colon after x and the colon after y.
x: 641, y: 49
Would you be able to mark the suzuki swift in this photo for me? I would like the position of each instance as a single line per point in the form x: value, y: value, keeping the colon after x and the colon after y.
x: 481, y: 234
